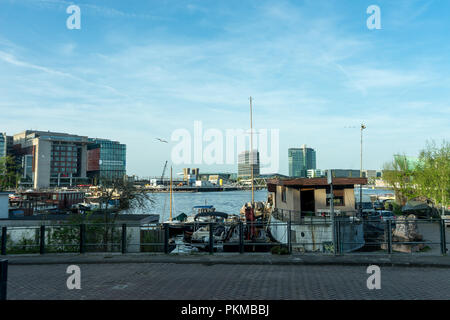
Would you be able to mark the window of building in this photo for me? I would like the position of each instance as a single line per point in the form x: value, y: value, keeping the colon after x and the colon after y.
x: 283, y: 194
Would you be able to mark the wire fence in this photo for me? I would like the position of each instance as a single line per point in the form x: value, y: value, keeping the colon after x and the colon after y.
x: 345, y: 234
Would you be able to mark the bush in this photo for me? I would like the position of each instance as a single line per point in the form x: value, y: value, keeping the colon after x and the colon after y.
x: 279, y: 250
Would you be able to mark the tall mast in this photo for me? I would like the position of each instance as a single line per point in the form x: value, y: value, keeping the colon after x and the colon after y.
x: 251, y: 151
x: 170, y: 219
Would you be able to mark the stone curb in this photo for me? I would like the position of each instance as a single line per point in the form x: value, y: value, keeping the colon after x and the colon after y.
x: 435, y: 261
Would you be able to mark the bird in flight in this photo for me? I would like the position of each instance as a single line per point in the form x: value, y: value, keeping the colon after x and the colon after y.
x: 162, y: 140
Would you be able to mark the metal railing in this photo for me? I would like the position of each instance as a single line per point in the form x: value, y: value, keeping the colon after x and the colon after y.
x: 3, y: 278
x: 305, y: 234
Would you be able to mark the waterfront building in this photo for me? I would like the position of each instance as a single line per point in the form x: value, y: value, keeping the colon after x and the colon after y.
x: 343, y: 173
x: 5, y: 145
x: 314, y: 173
x: 248, y: 162
x: 301, y: 160
x: 106, y: 160
x: 51, y: 158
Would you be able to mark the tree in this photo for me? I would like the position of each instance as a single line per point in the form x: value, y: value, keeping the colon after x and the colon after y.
x: 126, y: 195
x: 9, y: 175
x: 432, y: 175
x: 399, y: 176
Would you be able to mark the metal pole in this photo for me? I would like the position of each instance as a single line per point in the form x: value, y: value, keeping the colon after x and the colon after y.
x: 3, y: 279
x: 42, y: 240
x: 251, y: 150
x: 389, y: 227
x: 166, y: 238
x: 333, y: 219
x: 124, y: 238
x: 211, y: 238
x: 443, y: 238
x: 3, y: 242
x: 241, y: 237
x: 360, y: 172
x: 82, y: 238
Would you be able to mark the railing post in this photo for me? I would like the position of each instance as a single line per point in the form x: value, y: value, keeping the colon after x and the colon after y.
x: 241, y: 237
x: 443, y: 238
x: 3, y: 242
x: 166, y: 238
x: 124, y: 238
x: 211, y: 238
x: 42, y: 240
x: 337, y: 239
x: 3, y: 279
x: 389, y: 235
x: 289, y: 235
x: 82, y: 238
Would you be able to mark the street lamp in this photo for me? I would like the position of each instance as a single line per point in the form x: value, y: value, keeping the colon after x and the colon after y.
x: 360, y: 172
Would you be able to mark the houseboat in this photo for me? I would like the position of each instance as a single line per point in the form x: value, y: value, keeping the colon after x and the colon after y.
x: 303, y: 204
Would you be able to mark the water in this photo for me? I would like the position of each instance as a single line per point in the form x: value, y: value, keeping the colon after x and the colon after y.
x: 226, y: 201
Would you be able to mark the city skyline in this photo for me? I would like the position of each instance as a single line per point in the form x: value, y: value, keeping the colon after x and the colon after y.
x: 133, y: 74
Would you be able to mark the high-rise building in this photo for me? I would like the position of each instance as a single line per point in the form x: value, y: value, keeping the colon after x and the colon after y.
x: 106, y: 160
x: 3, y: 145
x: 301, y: 160
x: 52, y: 158
x: 248, y: 161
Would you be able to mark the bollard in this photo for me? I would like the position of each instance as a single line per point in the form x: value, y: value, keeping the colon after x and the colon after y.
x: 3, y: 278
x: 443, y: 238
x: 3, y: 242
x: 166, y: 238
x: 124, y: 238
x: 42, y: 240
x: 241, y: 237
x: 211, y: 239
x: 82, y: 238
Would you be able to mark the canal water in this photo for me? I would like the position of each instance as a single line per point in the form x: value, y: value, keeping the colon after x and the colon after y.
x: 225, y: 201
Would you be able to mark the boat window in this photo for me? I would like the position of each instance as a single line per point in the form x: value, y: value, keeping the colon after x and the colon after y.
x: 283, y: 194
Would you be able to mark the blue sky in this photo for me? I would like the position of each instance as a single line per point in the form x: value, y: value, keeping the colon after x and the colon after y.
x: 138, y: 70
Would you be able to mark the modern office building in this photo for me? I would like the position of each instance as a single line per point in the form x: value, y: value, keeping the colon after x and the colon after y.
x: 106, y: 160
x: 5, y: 145
x: 248, y: 161
x: 301, y: 160
x: 51, y: 158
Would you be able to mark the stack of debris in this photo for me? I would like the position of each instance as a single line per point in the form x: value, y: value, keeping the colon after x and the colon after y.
x: 406, y: 230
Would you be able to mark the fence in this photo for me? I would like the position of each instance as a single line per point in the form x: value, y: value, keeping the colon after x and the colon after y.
x: 3, y: 278
x: 308, y: 234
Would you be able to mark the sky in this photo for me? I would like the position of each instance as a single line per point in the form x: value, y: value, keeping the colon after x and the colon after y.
x: 140, y: 70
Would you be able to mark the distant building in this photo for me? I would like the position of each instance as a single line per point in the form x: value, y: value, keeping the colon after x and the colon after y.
x: 301, y: 160
x: 314, y: 173
x: 411, y: 162
x: 5, y: 145
x: 106, y: 160
x: 343, y: 173
x: 52, y: 158
x: 248, y: 162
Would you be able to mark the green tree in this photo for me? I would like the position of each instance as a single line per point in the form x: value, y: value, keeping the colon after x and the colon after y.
x: 432, y: 174
x: 9, y: 173
x: 399, y: 176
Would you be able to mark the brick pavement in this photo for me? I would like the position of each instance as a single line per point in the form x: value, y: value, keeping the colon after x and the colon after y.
x: 198, y: 281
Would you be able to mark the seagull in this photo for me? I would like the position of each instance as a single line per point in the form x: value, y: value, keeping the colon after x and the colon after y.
x: 162, y: 140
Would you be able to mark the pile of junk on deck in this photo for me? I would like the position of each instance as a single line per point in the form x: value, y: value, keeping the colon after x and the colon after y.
x: 296, y: 215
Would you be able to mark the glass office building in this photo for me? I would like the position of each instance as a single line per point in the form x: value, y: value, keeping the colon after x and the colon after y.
x: 106, y: 160
x: 301, y: 160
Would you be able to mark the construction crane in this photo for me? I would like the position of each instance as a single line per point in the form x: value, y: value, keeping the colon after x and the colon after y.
x: 164, y: 171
